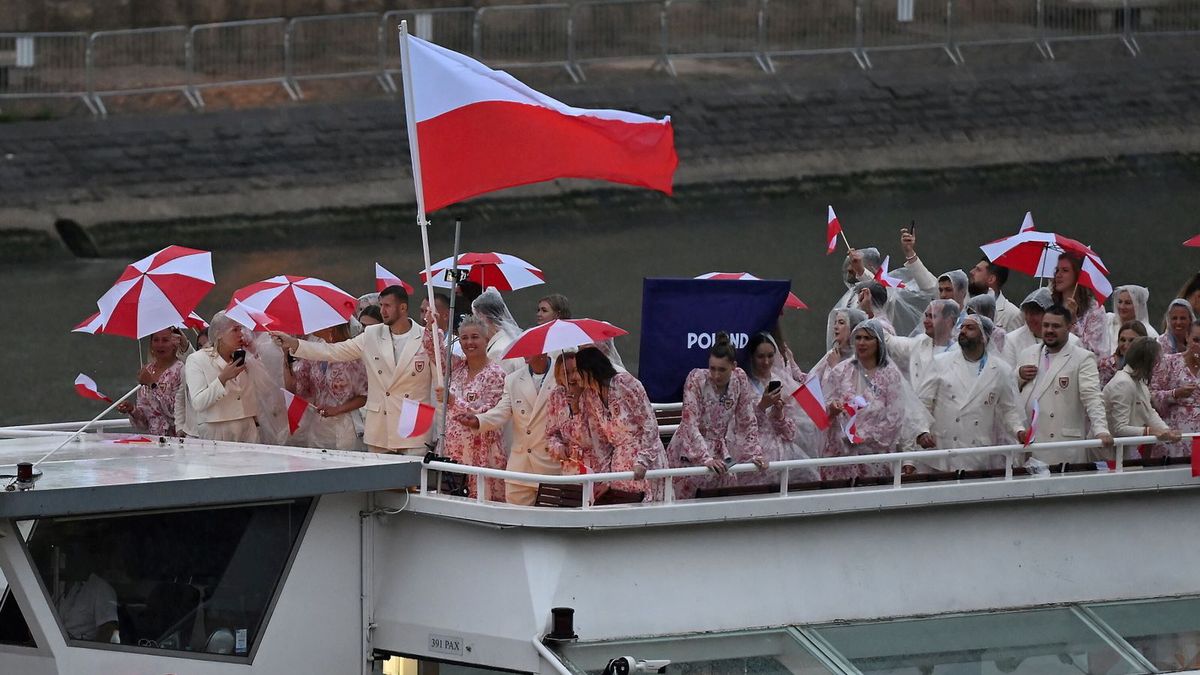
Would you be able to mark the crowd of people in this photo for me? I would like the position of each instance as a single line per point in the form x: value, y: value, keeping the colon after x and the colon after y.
x: 945, y: 361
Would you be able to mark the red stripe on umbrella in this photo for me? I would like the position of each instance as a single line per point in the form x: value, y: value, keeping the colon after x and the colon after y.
x: 561, y: 334
x: 156, y: 292
x: 792, y: 301
x: 501, y: 271
x: 298, y: 305
x: 1194, y: 241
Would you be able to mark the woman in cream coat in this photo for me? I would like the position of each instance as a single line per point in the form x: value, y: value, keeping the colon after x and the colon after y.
x: 220, y: 390
x: 1127, y: 397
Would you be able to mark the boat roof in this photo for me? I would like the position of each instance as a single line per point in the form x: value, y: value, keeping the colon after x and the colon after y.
x: 104, y: 473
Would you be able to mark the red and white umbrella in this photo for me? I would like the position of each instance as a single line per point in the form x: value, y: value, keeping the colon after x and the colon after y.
x: 491, y: 270
x: 792, y: 301
x: 561, y: 334
x: 156, y: 292
x: 1036, y: 254
x: 297, y: 305
x: 1194, y: 241
x: 93, y: 326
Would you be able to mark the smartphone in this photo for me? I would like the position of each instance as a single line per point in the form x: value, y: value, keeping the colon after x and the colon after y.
x: 239, y: 357
x: 773, y: 386
x: 729, y: 461
x: 912, y: 228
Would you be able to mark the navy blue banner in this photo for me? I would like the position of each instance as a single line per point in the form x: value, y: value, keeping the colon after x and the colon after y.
x: 681, y: 317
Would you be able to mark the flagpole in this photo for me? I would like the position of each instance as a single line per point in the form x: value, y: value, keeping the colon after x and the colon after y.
x: 414, y: 152
x: 83, y: 428
x: 450, y: 323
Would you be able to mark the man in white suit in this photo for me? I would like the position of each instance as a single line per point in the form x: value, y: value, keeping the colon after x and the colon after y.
x: 987, y: 277
x: 526, y: 394
x: 970, y: 397
x: 398, y: 368
x: 916, y: 354
x: 1062, y: 377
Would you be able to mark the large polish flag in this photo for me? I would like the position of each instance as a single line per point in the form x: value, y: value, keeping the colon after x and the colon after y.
x: 480, y: 130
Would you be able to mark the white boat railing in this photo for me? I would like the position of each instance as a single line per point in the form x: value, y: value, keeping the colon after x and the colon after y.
x: 57, y: 428
x: 896, y: 460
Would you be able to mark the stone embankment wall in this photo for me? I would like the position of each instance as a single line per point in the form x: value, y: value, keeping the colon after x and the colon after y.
x: 204, y: 176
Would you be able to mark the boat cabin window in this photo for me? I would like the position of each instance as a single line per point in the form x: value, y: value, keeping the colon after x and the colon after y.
x: 198, y: 581
x: 1165, y: 632
x: 1047, y: 642
x: 14, y: 630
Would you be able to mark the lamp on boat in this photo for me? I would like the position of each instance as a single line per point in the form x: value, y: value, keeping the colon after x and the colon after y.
x: 562, y: 625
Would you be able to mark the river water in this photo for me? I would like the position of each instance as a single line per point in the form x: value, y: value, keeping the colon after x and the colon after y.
x: 1135, y: 222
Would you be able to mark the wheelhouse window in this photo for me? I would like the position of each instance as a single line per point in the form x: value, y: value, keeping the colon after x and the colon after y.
x: 197, y: 581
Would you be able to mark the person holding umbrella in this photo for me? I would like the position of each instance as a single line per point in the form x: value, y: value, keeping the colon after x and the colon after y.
x: 221, y: 392
x: 399, y: 365
x: 1091, y: 322
x: 161, y: 379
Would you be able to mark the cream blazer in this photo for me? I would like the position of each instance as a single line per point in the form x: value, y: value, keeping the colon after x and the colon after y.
x: 390, y: 380
x: 1008, y: 315
x: 918, y: 353
x: 1129, y: 409
x: 211, y: 400
x: 526, y: 406
x: 1069, y: 399
x: 967, y: 414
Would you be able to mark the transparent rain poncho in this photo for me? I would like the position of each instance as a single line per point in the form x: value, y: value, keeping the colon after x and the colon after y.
x: 1140, y: 297
x: 903, y: 307
x: 808, y: 439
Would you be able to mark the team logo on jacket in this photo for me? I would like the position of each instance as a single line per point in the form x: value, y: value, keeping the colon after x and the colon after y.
x: 1064, y: 382
x: 418, y: 367
x: 991, y: 399
x: 472, y: 396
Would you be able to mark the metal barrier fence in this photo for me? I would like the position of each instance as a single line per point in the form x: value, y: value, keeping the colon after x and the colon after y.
x: 568, y: 35
x: 137, y: 61
x: 238, y: 53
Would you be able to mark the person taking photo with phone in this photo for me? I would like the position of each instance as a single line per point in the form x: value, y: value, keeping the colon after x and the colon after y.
x: 221, y: 392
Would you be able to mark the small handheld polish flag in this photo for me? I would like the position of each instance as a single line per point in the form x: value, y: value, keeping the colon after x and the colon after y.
x: 295, y: 409
x: 86, y: 387
x: 1033, y: 420
x: 884, y: 278
x: 384, y: 278
x: 851, y: 428
x: 812, y: 402
x: 832, y: 229
x: 415, y: 418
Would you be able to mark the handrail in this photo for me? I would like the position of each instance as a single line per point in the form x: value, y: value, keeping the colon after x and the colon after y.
x: 898, y: 459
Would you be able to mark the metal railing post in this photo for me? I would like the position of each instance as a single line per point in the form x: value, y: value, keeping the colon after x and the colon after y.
x: 860, y: 52
x: 289, y: 74
x: 1043, y: 45
x: 764, y: 58
x: 89, y: 60
x: 1127, y: 31
x: 664, y: 32
x: 477, y: 34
